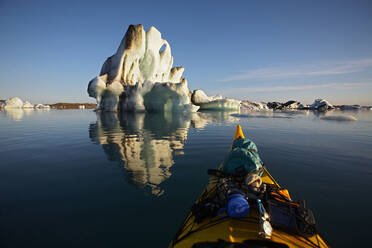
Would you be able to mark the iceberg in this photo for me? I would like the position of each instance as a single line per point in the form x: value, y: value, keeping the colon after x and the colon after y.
x: 199, y: 97
x: 254, y: 106
x: 289, y: 105
x: 140, y: 76
x: 27, y: 104
x: 12, y: 103
x: 42, y: 106
x: 320, y: 105
x: 216, y: 102
x: 221, y: 104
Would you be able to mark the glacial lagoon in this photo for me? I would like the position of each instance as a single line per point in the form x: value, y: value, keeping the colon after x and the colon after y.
x: 73, y: 178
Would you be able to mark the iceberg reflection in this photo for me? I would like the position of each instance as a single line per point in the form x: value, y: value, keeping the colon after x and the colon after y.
x: 145, y: 144
x: 16, y: 114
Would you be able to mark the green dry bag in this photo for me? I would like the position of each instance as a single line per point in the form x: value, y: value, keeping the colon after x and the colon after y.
x: 244, y: 154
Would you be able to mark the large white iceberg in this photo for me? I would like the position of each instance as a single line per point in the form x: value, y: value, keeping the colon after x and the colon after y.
x: 140, y: 70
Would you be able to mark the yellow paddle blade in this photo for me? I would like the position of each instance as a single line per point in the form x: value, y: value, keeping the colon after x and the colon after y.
x: 238, y: 132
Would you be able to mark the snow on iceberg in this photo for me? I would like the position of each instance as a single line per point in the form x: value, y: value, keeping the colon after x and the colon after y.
x: 139, y: 72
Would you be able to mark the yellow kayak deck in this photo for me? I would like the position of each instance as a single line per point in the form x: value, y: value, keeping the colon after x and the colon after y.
x: 238, y: 230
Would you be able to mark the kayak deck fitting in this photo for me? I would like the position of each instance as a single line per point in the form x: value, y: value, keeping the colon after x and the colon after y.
x: 206, y: 229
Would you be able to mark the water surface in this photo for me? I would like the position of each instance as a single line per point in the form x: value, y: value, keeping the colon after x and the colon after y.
x: 73, y: 178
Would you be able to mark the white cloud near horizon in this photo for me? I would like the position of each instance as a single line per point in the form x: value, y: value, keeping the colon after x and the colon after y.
x: 320, y: 69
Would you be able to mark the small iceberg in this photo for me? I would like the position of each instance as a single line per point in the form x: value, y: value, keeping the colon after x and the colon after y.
x: 321, y: 105
x: 27, y: 105
x: 199, y: 98
x: 254, y: 106
x: 42, y: 106
x: 283, y: 106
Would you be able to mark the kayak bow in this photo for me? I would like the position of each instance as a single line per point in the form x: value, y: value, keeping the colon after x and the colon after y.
x: 214, y: 230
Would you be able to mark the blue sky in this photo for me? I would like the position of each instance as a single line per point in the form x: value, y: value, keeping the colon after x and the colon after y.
x: 256, y: 50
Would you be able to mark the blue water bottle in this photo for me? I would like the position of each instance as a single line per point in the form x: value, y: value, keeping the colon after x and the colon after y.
x: 237, y: 207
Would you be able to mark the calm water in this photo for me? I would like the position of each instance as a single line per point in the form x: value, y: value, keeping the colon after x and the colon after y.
x: 74, y: 178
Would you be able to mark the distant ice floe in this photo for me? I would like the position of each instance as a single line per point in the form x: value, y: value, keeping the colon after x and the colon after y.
x: 42, y: 106
x: 253, y: 106
x: 17, y: 103
x: 318, y: 104
x: 282, y: 106
x: 338, y: 118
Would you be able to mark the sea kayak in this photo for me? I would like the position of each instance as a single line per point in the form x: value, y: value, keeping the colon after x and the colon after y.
x: 266, y: 215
